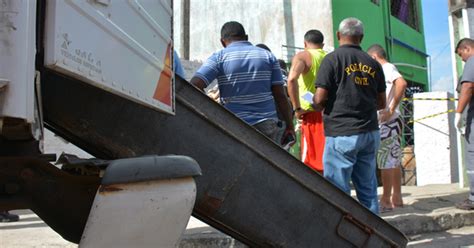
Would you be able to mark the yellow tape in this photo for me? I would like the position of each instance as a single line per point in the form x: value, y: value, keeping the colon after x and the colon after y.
x: 406, y: 99
x: 431, y: 116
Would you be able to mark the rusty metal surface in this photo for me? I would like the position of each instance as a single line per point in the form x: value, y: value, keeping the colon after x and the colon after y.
x: 16, y: 129
x: 104, y: 189
x: 62, y: 200
x: 29, y: 147
x: 251, y: 189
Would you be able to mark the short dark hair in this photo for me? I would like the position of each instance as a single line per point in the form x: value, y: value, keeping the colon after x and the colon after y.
x: 377, y: 49
x: 314, y: 36
x: 466, y: 42
x: 263, y: 46
x: 233, y: 31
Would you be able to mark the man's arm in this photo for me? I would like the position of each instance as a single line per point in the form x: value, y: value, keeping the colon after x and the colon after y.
x: 399, y: 91
x: 464, y: 99
x: 198, y: 82
x: 206, y: 73
x: 381, y: 100
x: 381, y: 87
x: 283, y: 106
x: 298, y: 66
x: 320, y: 99
x: 400, y: 87
x: 465, y: 96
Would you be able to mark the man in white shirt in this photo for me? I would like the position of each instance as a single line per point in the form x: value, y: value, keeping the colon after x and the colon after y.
x: 389, y: 154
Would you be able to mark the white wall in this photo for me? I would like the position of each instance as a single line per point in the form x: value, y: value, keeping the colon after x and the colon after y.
x: 470, y: 22
x: 435, y: 140
x: 272, y: 22
x: 57, y: 145
x: 190, y: 67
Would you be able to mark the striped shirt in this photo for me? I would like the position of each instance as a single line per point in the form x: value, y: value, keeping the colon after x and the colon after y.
x: 245, y: 75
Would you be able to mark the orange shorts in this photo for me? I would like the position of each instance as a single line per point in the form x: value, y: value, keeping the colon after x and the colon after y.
x: 312, y: 140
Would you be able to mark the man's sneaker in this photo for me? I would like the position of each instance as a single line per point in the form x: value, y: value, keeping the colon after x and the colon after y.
x: 465, y: 205
x: 7, y: 217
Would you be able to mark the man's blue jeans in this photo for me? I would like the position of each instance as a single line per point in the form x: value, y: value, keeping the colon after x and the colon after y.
x: 353, y: 157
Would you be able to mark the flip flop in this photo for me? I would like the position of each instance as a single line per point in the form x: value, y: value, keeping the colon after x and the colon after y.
x: 383, y: 209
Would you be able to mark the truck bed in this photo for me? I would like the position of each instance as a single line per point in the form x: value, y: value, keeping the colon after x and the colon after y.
x: 250, y: 189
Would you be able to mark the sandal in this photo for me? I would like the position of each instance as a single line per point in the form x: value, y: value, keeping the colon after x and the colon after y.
x: 383, y: 209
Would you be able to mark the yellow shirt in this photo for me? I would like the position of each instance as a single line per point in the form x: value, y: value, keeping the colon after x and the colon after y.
x: 306, y: 81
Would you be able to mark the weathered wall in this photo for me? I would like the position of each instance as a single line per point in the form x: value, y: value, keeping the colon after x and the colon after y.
x: 190, y: 67
x: 435, y: 142
x: 470, y: 17
x: 272, y: 22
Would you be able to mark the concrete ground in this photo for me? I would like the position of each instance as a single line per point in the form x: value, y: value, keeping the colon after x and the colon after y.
x: 430, y: 209
x: 462, y: 238
x: 30, y: 231
x: 428, y: 218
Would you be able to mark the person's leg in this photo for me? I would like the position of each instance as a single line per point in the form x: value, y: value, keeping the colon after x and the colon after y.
x: 468, y: 204
x: 389, y: 161
x: 363, y: 175
x: 397, y: 199
x: 470, y: 159
x: 387, y: 183
x: 383, y: 155
x: 339, y: 157
x: 396, y: 163
x: 304, y: 142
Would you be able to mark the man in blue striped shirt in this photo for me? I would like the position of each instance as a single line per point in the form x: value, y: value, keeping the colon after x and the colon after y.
x: 250, y: 82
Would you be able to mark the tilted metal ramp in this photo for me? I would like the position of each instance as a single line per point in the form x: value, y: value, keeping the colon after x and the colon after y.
x: 251, y: 189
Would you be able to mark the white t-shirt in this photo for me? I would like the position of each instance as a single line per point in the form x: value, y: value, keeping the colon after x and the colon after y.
x: 391, y: 74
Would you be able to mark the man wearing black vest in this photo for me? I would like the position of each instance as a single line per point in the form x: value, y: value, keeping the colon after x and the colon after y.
x: 350, y: 89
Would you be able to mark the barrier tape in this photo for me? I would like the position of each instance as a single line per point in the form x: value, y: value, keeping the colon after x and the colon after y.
x: 406, y: 99
x: 430, y: 116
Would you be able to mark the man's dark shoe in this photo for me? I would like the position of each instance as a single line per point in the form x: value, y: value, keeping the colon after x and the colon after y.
x: 465, y: 205
x: 7, y: 217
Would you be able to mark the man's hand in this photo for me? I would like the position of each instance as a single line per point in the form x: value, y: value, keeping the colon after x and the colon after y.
x: 283, y: 105
x: 459, y: 123
x: 385, y: 115
x: 299, y: 113
x: 320, y: 99
x: 288, y: 139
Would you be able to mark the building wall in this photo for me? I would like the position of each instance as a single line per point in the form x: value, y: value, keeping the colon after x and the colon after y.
x: 284, y: 22
x: 371, y: 15
x: 273, y: 22
x: 435, y: 149
x: 405, y: 45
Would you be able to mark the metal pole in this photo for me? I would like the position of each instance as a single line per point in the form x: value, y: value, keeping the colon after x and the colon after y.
x: 185, y: 23
x: 459, y: 145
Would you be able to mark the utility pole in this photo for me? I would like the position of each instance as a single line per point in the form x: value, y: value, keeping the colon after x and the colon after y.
x: 185, y: 23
